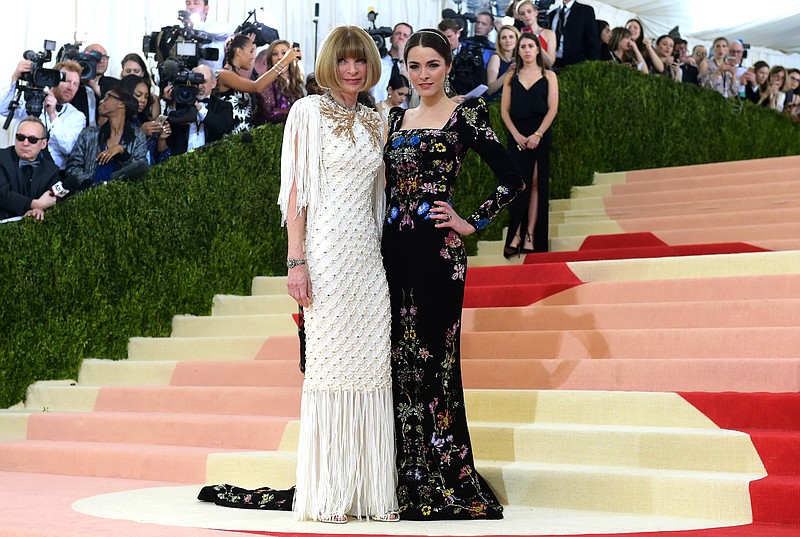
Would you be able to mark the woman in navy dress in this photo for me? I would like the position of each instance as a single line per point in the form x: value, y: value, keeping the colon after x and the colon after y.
x: 528, y: 106
x: 426, y: 263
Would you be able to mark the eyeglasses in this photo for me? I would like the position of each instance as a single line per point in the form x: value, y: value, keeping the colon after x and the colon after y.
x: 31, y: 139
x: 794, y: 79
x: 107, y: 95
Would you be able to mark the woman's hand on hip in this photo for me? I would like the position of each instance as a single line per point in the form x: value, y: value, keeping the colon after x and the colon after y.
x: 448, y: 217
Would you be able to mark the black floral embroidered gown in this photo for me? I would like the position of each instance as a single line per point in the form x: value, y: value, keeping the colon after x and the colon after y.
x: 425, y: 267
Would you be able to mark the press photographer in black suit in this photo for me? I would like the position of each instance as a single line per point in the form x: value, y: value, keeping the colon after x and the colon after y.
x: 577, y: 39
x: 206, y: 121
x: 25, y: 176
x: 91, y: 91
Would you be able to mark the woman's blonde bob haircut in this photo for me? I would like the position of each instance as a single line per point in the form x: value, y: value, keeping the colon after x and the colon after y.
x: 347, y: 42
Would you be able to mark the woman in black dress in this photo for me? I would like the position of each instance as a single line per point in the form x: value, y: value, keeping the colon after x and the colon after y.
x: 426, y: 263
x: 528, y: 106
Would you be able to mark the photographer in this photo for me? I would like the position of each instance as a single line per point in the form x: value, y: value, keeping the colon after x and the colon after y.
x: 484, y: 24
x: 664, y: 48
x: 62, y: 120
x: 720, y: 75
x: 220, y: 32
x: 205, y: 121
x: 25, y: 176
x: 689, y: 72
x: 468, y: 71
x: 392, y: 62
x: 93, y: 89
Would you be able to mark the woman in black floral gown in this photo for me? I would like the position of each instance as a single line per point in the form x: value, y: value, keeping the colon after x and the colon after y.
x: 426, y: 263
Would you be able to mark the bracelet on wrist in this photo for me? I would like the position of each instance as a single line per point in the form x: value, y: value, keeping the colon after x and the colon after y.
x: 291, y: 263
x: 537, y: 133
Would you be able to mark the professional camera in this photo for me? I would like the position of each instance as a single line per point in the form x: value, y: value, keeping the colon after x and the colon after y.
x: 468, y: 68
x: 33, y: 83
x: 184, y: 87
x: 264, y: 35
x: 461, y: 18
x: 87, y: 60
x: 544, y: 7
x: 378, y: 34
x: 180, y: 41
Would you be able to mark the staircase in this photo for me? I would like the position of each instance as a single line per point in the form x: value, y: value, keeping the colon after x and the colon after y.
x: 647, y: 367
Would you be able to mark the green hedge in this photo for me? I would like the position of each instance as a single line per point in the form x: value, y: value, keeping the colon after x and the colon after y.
x: 122, y: 259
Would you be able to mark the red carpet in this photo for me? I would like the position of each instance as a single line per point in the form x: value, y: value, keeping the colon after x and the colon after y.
x: 773, y: 422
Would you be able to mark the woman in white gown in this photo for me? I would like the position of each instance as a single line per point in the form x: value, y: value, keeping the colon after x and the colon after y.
x: 332, y: 200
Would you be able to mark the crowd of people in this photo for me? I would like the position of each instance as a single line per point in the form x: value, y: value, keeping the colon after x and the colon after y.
x: 243, y: 89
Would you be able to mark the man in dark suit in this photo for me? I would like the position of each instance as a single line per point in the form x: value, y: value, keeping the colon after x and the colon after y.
x: 577, y: 39
x: 689, y: 73
x: 208, y: 120
x: 91, y: 91
x: 25, y: 176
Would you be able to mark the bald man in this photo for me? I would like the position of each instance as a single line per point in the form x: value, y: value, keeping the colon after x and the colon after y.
x: 91, y: 91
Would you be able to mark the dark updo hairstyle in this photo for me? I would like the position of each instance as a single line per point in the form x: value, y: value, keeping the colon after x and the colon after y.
x: 236, y: 41
x: 397, y: 82
x: 133, y: 57
x: 430, y: 38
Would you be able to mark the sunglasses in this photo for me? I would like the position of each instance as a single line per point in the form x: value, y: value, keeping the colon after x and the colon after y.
x: 31, y: 139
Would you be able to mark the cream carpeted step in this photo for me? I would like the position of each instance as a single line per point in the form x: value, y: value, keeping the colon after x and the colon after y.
x: 13, y: 424
x: 699, y: 266
x: 46, y: 396
x: 125, y: 372
x: 269, y: 285
x: 673, y: 448
x: 609, y: 178
x: 253, y: 305
x: 276, y: 469
x: 591, y: 191
x: 196, y: 348
x: 569, y: 204
x: 276, y: 324
x: 715, y: 495
x: 595, y: 227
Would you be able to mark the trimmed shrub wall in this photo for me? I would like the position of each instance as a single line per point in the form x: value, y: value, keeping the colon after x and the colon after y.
x: 122, y: 259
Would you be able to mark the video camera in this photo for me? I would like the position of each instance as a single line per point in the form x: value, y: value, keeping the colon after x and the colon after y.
x: 181, y: 41
x: 33, y: 83
x: 461, y: 18
x: 87, y: 60
x: 184, y: 82
x: 378, y: 35
x: 263, y: 34
x: 544, y: 8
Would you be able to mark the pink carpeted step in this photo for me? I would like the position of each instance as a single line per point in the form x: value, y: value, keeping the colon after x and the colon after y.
x: 275, y: 372
x: 511, y: 295
x: 711, y: 343
x: 716, y: 180
x: 238, y: 400
x: 129, y: 461
x: 279, y: 347
x: 198, y: 430
x: 738, y: 166
x: 640, y: 252
x: 688, y: 314
x: 764, y: 217
x: 634, y: 374
x: 752, y: 190
x: 701, y: 206
x: 755, y: 233
x: 775, y: 286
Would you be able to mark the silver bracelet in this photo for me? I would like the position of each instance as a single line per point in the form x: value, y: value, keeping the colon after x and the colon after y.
x: 291, y: 263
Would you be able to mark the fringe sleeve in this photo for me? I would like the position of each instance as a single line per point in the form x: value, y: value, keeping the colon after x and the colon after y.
x: 301, y: 158
x: 379, y: 198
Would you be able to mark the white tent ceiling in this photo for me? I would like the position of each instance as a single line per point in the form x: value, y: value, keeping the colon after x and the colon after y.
x: 774, y: 25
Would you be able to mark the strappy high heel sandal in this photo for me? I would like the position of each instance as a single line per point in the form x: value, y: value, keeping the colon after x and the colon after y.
x: 391, y: 516
x: 332, y: 519
x: 528, y: 240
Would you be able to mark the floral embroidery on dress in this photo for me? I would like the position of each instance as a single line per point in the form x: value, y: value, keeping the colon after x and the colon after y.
x: 455, y: 252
